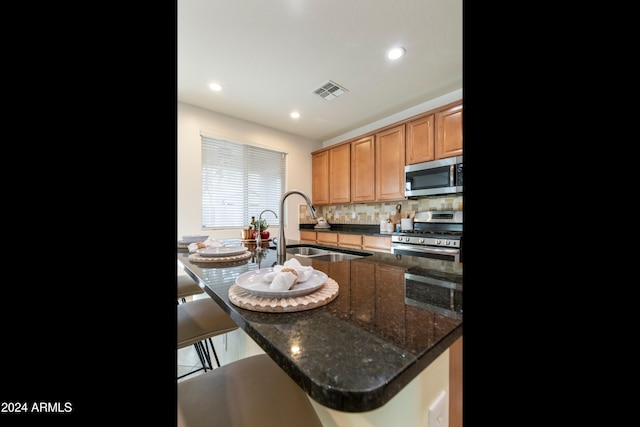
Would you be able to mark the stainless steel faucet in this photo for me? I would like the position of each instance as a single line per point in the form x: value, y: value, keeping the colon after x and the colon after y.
x: 281, y: 244
x: 258, y: 238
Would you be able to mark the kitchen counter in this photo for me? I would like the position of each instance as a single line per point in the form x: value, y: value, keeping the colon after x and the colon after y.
x: 371, y: 230
x: 393, y: 316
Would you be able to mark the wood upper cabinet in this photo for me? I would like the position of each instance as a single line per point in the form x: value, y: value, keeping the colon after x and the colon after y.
x: 320, y: 178
x: 371, y: 168
x: 434, y: 136
x: 390, y: 158
x: 420, y: 144
x: 363, y: 165
x: 340, y: 174
x: 448, y: 132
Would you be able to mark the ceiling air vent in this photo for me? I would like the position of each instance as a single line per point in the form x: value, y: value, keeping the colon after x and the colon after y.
x: 330, y: 90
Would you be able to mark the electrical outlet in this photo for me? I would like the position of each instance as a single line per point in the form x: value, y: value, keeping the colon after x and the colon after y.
x: 438, y: 416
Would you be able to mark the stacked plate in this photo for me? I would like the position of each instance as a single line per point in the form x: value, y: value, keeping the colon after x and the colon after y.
x: 255, y: 284
x: 193, y: 239
x: 224, y: 251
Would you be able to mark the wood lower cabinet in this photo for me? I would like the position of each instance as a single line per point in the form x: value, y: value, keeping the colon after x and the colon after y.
x: 353, y: 241
x: 376, y: 243
x: 390, y: 158
x: 449, y: 132
x: 307, y: 236
x: 350, y: 240
x: 328, y: 238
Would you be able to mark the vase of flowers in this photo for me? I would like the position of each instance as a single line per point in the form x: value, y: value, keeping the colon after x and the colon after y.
x: 261, y: 227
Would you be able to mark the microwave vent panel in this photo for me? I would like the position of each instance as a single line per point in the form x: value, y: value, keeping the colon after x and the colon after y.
x: 330, y: 90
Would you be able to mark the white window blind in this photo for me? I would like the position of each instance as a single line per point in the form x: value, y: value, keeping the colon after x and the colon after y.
x: 239, y: 181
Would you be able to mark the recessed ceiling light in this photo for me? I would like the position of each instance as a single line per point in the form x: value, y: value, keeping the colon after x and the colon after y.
x: 395, y: 53
x: 216, y: 87
x: 295, y: 115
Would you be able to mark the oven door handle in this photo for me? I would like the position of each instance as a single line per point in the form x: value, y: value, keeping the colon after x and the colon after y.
x: 425, y: 249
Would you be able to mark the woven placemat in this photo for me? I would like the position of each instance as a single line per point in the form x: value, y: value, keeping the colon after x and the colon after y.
x: 195, y: 257
x: 322, y: 296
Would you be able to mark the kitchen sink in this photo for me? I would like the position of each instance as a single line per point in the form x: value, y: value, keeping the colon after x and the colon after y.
x: 324, y: 254
x: 306, y: 251
x: 336, y: 256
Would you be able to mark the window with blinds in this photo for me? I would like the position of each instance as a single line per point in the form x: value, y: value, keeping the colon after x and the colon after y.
x: 239, y: 181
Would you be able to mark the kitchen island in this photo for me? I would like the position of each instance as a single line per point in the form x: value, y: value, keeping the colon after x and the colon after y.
x: 393, y: 316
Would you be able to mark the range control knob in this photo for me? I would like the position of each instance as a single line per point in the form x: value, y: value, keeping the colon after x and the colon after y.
x: 421, y: 240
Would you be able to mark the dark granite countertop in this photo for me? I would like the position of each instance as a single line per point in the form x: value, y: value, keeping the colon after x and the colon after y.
x: 372, y: 230
x: 393, y: 316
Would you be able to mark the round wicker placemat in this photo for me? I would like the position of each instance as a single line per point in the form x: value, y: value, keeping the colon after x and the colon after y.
x: 324, y: 295
x: 195, y: 257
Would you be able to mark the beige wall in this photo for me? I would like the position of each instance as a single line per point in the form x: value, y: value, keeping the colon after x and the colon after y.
x: 191, y: 122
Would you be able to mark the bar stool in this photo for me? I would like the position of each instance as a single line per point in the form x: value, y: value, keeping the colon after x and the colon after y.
x: 198, y: 321
x: 187, y: 287
x: 249, y: 392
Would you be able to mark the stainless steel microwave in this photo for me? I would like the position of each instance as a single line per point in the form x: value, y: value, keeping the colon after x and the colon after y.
x: 442, y: 176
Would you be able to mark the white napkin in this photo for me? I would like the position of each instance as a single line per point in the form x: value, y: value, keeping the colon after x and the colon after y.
x: 282, y: 281
x: 213, y: 243
x: 209, y: 243
x: 304, y: 272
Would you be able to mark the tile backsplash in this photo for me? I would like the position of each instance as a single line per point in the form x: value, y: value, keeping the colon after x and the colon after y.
x: 373, y: 213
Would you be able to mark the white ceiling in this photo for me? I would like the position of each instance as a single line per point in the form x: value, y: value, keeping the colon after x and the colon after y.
x: 270, y: 56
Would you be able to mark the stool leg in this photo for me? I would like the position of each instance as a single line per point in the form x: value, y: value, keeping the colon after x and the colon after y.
x: 203, y: 356
x: 214, y: 353
x: 206, y: 353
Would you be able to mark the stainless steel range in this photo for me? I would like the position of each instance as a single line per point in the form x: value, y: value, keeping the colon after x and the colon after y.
x: 435, y: 234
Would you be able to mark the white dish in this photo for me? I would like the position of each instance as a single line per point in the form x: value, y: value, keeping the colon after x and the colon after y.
x: 221, y: 251
x: 253, y: 282
x: 322, y: 226
x: 194, y: 239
